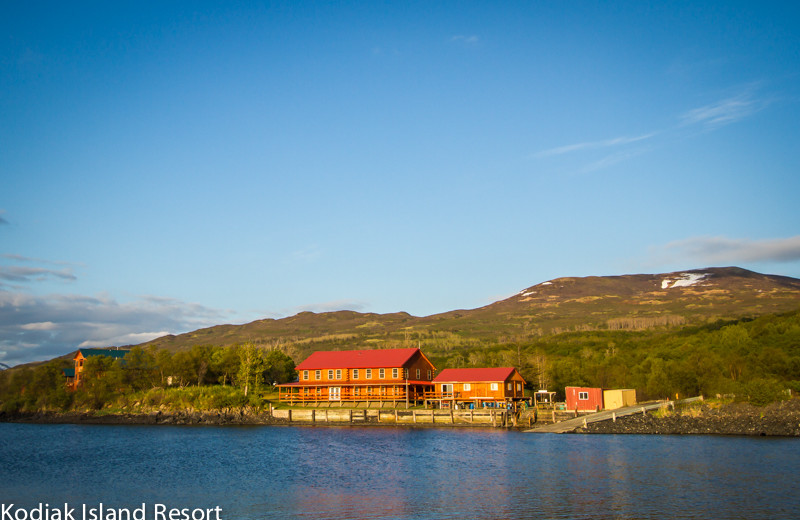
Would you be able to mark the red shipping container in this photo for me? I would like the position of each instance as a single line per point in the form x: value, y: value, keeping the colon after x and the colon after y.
x: 584, y: 399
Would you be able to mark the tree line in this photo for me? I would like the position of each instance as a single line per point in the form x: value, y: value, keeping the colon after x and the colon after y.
x: 753, y: 359
x: 222, y: 376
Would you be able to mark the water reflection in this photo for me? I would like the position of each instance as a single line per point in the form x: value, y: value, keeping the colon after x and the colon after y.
x: 400, y: 473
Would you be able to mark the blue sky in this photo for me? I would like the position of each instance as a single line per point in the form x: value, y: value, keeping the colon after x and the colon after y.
x: 167, y: 166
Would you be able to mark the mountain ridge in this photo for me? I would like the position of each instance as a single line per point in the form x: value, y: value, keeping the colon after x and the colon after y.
x: 620, y: 302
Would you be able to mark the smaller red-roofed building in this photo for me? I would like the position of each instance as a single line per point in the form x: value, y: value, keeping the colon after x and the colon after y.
x: 385, y: 375
x: 478, y: 387
x: 584, y: 399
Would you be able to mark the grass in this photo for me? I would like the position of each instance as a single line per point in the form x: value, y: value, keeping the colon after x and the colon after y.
x: 192, y: 398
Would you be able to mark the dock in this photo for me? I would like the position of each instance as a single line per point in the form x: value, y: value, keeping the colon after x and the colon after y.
x: 607, y: 415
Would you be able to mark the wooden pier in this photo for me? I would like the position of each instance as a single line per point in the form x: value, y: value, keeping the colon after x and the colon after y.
x: 607, y: 415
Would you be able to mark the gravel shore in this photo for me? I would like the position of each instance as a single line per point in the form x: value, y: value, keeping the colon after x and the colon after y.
x: 776, y: 419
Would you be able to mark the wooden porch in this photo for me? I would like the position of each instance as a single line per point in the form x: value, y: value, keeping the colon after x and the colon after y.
x: 350, y: 395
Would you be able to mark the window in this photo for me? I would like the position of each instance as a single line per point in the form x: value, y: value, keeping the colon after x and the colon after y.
x: 429, y: 375
x: 418, y: 374
x: 369, y: 373
x: 519, y: 387
x: 330, y: 374
x: 318, y: 375
x: 467, y: 387
x: 394, y: 373
x: 356, y: 391
x: 508, y: 386
x: 494, y: 387
x: 355, y: 373
x: 583, y: 396
x: 381, y: 373
x: 338, y: 373
x: 305, y: 375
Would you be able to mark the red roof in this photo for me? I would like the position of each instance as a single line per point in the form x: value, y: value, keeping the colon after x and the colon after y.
x: 473, y: 375
x: 384, y: 358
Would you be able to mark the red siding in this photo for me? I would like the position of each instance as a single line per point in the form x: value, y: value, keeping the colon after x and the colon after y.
x: 414, y: 375
x: 592, y: 403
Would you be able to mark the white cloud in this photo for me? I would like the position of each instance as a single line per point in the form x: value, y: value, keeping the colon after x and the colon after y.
x: 42, y: 325
x: 707, y: 117
x: 33, y: 274
x: 723, y: 112
x: 612, y: 159
x: 14, y: 275
x: 35, y: 328
x: 28, y: 259
x: 606, y: 143
x: 729, y: 251
x: 132, y: 338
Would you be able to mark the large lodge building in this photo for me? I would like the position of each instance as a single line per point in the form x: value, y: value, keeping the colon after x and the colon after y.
x: 397, y: 376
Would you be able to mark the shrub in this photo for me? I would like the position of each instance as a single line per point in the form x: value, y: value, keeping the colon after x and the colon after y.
x: 761, y: 392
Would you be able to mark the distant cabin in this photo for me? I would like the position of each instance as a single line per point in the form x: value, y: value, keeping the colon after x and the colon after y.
x: 402, y: 375
x: 584, y: 399
x: 82, y: 354
x: 478, y: 387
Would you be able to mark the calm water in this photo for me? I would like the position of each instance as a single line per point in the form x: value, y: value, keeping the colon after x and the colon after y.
x: 403, y: 473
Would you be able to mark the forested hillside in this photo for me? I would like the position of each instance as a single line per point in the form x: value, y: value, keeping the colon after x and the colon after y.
x: 710, y: 331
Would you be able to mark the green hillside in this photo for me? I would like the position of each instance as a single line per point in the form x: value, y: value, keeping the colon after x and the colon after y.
x: 628, y: 303
x: 713, y: 332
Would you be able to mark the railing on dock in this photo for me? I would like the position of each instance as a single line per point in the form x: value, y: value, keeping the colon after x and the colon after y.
x: 347, y: 395
x: 440, y: 396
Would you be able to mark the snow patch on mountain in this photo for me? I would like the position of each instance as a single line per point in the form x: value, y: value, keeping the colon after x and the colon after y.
x: 684, y: 280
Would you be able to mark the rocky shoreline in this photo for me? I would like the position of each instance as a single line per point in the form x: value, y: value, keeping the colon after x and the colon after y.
x: 776, y: 419
x: 184, y: 418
